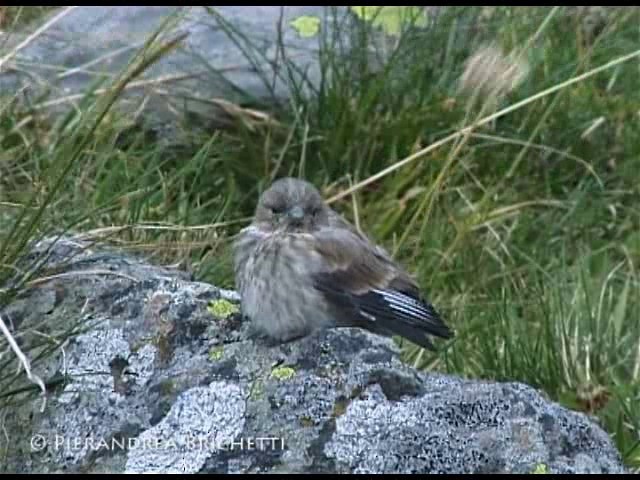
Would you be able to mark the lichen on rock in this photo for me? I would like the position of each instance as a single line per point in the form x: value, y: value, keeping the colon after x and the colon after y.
x: 217, y: 401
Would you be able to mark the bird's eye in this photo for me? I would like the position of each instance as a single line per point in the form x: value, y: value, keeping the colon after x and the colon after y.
x: 276, y: 209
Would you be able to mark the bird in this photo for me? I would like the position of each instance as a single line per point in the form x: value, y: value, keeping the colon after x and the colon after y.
x: 300, y: 267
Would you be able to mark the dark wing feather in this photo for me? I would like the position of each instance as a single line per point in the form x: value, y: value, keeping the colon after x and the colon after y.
x: 367, y: 289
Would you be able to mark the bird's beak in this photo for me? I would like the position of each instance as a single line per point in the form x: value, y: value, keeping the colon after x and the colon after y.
x: 296, y: 213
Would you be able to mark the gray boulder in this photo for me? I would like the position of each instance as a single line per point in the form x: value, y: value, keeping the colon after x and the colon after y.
x: 158, y: 374
x: 229, y: 54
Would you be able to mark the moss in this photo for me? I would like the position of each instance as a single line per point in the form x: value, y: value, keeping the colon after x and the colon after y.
x: 340, y: 407
x: 167, y: 387
x: 306, y: 421
x: 222, y: 308
x: 216, y: 353
x: 257, y: 389
x: 283, y: 373
x: 541, y: 468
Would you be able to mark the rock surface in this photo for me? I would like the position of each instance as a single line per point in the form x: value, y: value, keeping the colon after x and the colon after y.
x: 154, y: 380
x: 91, y: 43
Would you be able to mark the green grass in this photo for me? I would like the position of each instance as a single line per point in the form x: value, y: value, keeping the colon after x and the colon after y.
x: 524, y: 233
x: 12, y: 17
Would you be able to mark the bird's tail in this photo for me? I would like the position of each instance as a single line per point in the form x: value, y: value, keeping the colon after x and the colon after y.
x: 419, y: 335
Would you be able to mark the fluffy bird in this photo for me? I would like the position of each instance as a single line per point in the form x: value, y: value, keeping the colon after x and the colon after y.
x: 300, y: 267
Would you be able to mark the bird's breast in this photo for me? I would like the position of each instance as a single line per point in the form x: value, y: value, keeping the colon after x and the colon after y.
x: 286, y: 254
x: 276, y: 286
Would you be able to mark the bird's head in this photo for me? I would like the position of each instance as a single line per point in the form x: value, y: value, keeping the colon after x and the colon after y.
x: 291, y: 205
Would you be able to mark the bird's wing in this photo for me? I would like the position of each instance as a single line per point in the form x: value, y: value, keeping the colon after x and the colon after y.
x: 366, y: 288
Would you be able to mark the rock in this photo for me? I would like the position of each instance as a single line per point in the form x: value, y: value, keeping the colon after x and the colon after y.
x: 92, y: 43
x: 153, y: 379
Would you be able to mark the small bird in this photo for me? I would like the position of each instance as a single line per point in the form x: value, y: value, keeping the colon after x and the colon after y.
x: 300, y: 267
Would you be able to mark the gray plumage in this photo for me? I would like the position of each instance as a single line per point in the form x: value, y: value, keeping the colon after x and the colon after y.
x: 301, y: 267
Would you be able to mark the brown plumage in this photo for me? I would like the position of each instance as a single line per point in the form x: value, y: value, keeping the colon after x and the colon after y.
x: 300, y: 267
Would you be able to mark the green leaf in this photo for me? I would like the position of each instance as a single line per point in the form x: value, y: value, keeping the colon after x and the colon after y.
x: 306, y: 25
x: 392, y: 19
x: 619, y: 314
